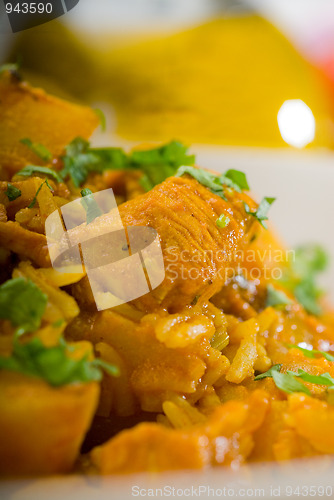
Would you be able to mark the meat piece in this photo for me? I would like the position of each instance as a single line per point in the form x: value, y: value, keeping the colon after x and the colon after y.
x: 157, y: 449
x: 199, y: 257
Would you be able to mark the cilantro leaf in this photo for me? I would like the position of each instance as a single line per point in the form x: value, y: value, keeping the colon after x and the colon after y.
x: 308, y: 294
x: 276, y: 297
x: 222, y: 221
x: 323, y: 379
x: 156, y: 164
x: 300, y: 276
x: 154, y: 175
x: 23, y: 303
x: 327, y: 356
x: 311, y: 353
x: 173, y: 154
x: 33, y: 203
x: 232, y: 178
x: 12, y: 192
x: 307, y: 352
x: 110, y: 159
x: 160, y: 163
x: 86, y: 192
x: 107, y: 367
x: 80, y: 160
x: 310, y: 259
x: 238, y: 178
x: 269, y: 373
x: 229, y: 183
x: 38, y: 149
x: 33, y: 169
x: 284, y: 381
x: 261, y: 213
x: 90, y: 205
x: 205, y: 178
x: 287, y: 383
x: 53, y: 365
x: 77, y: 146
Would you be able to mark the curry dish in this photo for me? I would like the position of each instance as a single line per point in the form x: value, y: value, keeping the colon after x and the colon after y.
x: 228, y: 360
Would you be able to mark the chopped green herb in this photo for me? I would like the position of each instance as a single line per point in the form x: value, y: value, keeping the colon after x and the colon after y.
x: 205, y: 178
x: 53, y: 365
x: 12, y: 192
x: 323, y: 379
x: 80, y: 160
x: 287, y: 383
x: 276, y: 297
x: 102, y: 117
x: 33, y: 203
x: 222, y: 221
x: 269, y: 373
x: 111, y: 158
x: 261, y: 213
x: 229, y: 183
x: 311, y: 353
x: 300, y: 276
x: 284, y: 381
x: 90, y: 205
x: 23, y: 303
x: 33, y: 169
x: 38, y: 149
x: 156, y: 164
x: 232, y: 178
x: 86, y: 192
x: 77, y: 146
x: 154, y: 175
x: 238, y: 178
x: 160, y: 163
x: 107, y: 367
x: 310, y: 259
x: 308, y: 294
x: 173, y: 154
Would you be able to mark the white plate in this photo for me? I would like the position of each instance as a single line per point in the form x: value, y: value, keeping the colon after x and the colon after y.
x: 303, y: 184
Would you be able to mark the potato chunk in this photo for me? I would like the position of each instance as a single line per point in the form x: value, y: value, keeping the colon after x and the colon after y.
x: 41, y: 427
x: 226, y: 437
x: 31, y: 113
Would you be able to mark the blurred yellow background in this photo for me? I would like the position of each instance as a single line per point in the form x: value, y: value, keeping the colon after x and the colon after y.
x: 220, y: 82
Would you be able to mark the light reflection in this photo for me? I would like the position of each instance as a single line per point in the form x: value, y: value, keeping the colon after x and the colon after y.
x: 296, y: 123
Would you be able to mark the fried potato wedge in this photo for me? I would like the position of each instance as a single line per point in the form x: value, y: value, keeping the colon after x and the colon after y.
x: 41, y: 427
x: 26, y: 112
